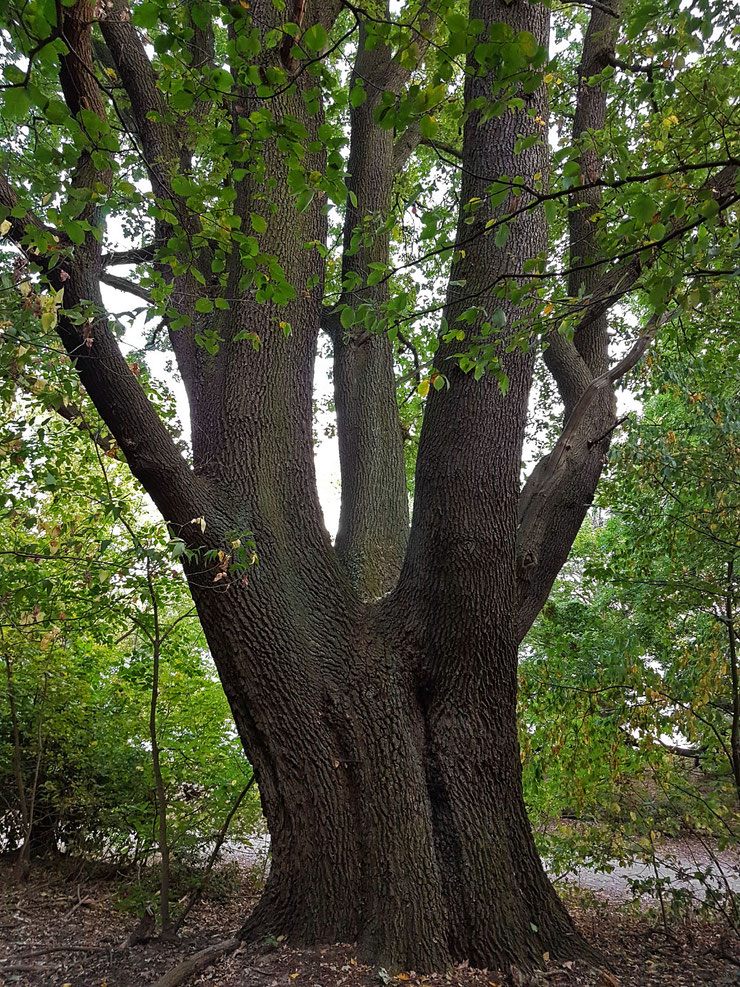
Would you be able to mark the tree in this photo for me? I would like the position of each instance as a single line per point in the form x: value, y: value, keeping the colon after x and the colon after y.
x: 81, y: 555
x: 628, y: 684
x: 373, y: 683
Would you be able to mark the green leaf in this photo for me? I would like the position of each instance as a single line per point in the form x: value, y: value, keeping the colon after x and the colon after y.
x: 315, y: 38
x: 358, y: 95
x: 642, y: 209
x: 146, y: 16
x: 16, y: 103
x: 75, y: 231
x: 181, y: 185
x: 259, y: 223
x: 428, y: 126
x: 502, y: 235
x: 56, y: 111
x: 304, y: 199
x: 204, y: 305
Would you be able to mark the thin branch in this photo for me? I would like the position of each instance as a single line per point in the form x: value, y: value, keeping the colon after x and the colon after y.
x: 594, y: 442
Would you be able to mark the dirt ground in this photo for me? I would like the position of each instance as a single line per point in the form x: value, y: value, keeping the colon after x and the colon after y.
x: 65, y: 930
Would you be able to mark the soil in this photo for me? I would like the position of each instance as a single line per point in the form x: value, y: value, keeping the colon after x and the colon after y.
x: 64, y: 929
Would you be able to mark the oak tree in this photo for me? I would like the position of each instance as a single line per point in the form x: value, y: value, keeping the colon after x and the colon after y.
x: 373, y: 680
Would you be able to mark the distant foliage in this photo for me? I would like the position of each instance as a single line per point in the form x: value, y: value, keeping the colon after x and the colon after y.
x: 629, y: 681
x: 77, y: 663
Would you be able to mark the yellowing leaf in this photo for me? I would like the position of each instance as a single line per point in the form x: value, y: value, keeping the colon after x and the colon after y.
x: 423, y: 387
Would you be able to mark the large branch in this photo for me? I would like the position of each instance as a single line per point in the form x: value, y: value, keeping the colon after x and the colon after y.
x: 133, y: 255
x: 164, y: 154
x: 92, y: 346
x: 23, y: 227
x: 125, y: 284
x: 373, y: 524
x: 159, y: 140
x: 124, y: 407
x: 573, y: 364
x: 590, y: 118
x: 560, y: 489
x: 621, y: 278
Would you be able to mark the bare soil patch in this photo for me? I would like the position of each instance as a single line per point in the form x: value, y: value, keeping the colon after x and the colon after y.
x: 63, y: 928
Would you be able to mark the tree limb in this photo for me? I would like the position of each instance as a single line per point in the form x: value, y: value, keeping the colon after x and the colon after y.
x: 196, y: 963
x: 133, y: 255
x: 556, y: 496
x: 124, y: 284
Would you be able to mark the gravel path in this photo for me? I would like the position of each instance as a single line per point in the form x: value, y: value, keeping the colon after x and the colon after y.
x: 678, y: 865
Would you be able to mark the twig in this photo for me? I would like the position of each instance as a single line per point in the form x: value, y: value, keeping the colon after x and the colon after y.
x: 60, y: 949
x: 594, y: 442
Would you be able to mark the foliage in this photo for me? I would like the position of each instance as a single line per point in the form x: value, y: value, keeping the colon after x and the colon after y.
x: 629, y: 695
x: 75, y: 609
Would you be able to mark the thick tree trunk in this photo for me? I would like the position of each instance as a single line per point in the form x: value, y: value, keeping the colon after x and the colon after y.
x: 383, y: 736
x: 397, y: 822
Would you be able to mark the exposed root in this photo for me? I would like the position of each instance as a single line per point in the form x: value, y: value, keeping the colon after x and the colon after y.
x: 196, y: 963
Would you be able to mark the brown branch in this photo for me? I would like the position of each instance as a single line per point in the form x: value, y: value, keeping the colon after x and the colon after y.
x: 158, y: 137
x: 559, y: 455
x: 124, y: 284
x: 561, y: 487
x: 134, y: 255
x: 76, y: 948
x: 411, y: 138
x: 197, y: 963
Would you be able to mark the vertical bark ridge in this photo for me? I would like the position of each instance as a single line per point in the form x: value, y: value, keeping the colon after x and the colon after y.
x: 459, y: 576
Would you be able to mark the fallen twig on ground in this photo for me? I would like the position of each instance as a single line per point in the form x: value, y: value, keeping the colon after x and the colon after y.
x: 196, y: 963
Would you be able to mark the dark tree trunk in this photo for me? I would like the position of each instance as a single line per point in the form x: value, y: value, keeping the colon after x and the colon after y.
x: 396, y: 822
x: 383, y: 734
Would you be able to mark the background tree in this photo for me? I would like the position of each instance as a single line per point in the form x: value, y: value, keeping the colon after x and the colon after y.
x: 629, y: 690
x: 384, y: 670
x: 80, y: 549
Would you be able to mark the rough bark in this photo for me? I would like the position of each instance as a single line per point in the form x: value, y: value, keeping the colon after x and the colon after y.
x: 554, y: 502
x: 460, y: 580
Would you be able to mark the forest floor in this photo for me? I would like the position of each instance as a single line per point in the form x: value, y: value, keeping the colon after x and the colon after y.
x: 67, y: 930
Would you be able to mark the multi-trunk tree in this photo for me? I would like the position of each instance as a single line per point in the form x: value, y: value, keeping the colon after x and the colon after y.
x: 373, y: 681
